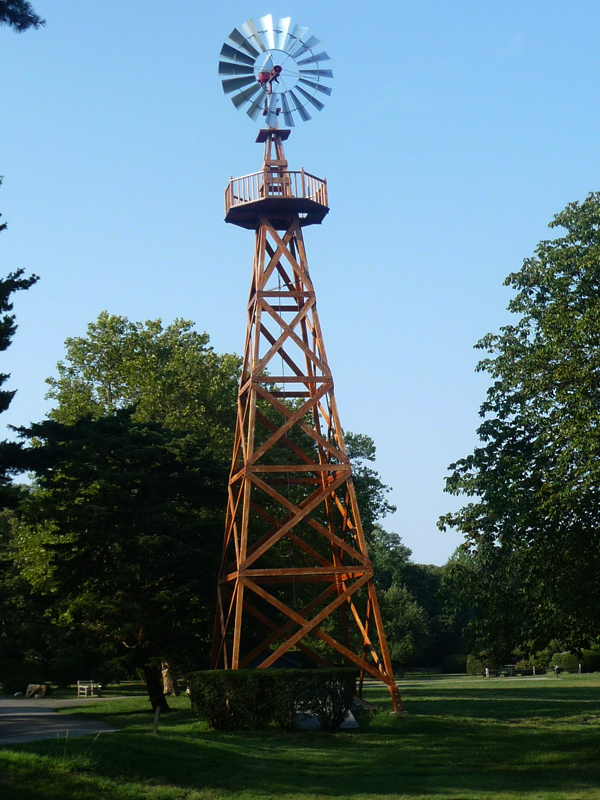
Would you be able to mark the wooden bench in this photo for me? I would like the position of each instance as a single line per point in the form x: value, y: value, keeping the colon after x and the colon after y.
x: 86, y: 689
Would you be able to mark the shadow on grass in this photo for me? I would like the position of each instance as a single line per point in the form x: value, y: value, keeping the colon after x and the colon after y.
x: 504, y: 701
x: 455, y: 742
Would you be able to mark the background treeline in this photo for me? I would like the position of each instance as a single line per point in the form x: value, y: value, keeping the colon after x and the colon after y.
x: 110, y: 551
x: 112, y: 520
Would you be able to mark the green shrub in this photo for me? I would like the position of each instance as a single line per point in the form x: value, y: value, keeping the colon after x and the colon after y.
x: 230, y: 699
x: 476, y: 665
x: 541, y: 660
x: 453, y: 665
x: 250, y: 699
x: 328, y: 695
x: 589, y: 660
x: 565, y: 660
x: 524, y: 667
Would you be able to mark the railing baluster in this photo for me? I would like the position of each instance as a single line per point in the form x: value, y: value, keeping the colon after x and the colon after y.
x: 290, y: 183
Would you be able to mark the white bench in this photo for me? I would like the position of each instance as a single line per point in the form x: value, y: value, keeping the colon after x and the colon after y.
x: 86, y: 689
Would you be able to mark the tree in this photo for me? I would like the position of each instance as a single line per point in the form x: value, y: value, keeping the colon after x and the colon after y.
x: 13, y: 282
x: 168, y: 374
x: 532, y: 525
x: 390, y: 558
x: 370, y: 490
x: 122, y: 534
x: 23, y: 629
x: 421, y: 624
x: 123, y: 379
x: 19, y: 15
x: 171, y: 375
x: 406, y: 625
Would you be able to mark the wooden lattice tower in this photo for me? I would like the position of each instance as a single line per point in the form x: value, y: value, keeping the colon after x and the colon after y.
x: 295, y: 571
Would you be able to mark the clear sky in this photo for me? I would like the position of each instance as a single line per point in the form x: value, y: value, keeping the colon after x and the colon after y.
x: 455, y: 131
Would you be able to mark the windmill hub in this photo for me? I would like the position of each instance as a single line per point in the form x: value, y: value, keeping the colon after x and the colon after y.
x: 290, y: 72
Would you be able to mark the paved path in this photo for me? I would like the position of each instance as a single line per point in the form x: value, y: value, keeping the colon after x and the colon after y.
x: 31, y: 720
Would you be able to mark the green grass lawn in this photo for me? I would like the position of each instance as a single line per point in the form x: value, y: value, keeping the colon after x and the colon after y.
x: 462, y: 738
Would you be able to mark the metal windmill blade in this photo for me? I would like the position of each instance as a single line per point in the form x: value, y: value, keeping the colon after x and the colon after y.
x: 273, y: 68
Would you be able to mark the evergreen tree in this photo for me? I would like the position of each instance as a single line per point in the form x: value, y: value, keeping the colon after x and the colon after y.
x: 19, y: 15
x: 122, y: 534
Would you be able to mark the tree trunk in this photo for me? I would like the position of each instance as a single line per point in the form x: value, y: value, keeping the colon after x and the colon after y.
x: 170, y: 687
x: 155, y: 689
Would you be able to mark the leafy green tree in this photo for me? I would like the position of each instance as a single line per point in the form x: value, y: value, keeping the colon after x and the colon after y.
x: 169, y: 374
x: 390, y: 558
x: 23, y: 629
x: 19, y: 15
x: 406, y: 625
x: 406, y: 621
x: 433, y: 626
x: 484, y: 587
x: 370, y: 490
x: 122, y: 535
x: 121, y: 380
x: 445, y: 621
x: 532, y: 523
x: 158, y: 375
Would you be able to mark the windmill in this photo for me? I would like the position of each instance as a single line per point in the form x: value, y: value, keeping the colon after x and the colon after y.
x: 295, y: 571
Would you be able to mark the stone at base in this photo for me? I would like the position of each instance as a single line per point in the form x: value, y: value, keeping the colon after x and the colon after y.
x: 36, y: 690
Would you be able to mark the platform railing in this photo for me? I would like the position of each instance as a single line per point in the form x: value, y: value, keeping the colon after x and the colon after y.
x: 270, y: 183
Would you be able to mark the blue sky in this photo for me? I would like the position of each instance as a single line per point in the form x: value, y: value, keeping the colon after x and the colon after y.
x: 455, y: 131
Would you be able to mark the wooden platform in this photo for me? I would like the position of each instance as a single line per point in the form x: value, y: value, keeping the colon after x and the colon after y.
x: 277, y: 193
x: 279, y: 211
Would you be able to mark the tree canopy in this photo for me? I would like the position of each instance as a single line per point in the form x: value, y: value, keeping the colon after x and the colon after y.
x: 168, y: 374
x: 118, y: 539
x: 532, y: 524
x: 371, y: 492
x: 13, y: 282
x: 19, y: 15
x: 122, y: 534
x: 122, y: 530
